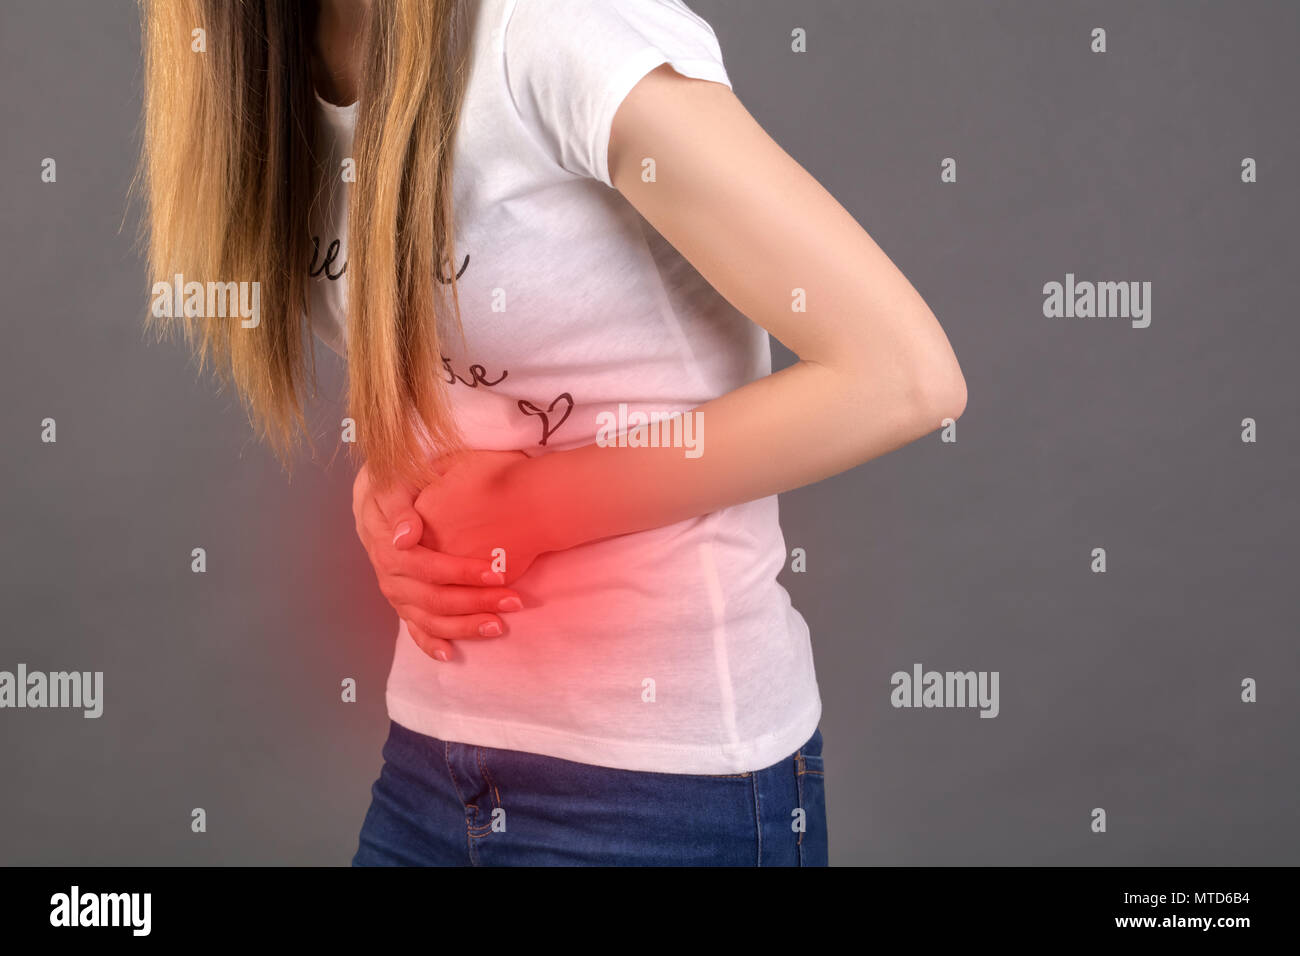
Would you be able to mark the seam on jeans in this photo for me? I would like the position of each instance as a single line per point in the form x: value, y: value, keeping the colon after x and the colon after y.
x: 446, y: 754
x: 802, y: 768
x: 758, y: 819
x: 479, y: 831
x: 799, y: 770
x: 469, y: 837
x: 487, y: 778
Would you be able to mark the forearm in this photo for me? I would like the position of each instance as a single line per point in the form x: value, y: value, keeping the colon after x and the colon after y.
x: 876, y: 369
x: 792, y: 428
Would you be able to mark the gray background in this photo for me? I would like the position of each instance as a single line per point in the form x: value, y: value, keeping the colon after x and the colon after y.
x: 1118, y: 690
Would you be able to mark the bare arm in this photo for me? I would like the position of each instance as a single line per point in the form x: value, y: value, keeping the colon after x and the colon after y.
x: 875, y: 369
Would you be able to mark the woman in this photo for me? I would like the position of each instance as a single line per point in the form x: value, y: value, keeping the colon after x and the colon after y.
x: 551, y: 244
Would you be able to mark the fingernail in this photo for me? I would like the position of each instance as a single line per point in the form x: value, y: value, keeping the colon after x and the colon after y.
x: 493, y: 577
x: 442, y: 655
x: 403, y: 530
x: 490, y: 629
x: 510, y: 604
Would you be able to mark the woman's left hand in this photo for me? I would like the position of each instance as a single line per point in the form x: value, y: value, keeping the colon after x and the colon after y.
x: 476, y: 506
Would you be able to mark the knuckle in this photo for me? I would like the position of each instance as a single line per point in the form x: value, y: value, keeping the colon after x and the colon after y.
x: 433, y: 572
x: 436, y: 602
x: 436, y: 628
x: 457, y: 627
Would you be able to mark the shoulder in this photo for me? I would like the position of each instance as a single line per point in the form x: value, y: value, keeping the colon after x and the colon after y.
x: 555, y: 35
x: 570, y: 63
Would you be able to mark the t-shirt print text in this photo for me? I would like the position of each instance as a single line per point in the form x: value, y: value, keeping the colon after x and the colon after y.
x: 331, y: 253
x: 550, y: 417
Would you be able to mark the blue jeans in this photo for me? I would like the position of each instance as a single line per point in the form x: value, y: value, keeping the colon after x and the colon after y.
x: 438, y: 803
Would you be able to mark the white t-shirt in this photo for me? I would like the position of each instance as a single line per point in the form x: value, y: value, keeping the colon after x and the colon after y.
x: 671, y: 650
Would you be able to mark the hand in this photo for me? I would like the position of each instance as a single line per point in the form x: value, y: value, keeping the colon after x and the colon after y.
x: 476, y: 505
x: 441, y: 597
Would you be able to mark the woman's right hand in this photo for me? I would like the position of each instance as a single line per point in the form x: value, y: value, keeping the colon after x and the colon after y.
x: 441, y: 597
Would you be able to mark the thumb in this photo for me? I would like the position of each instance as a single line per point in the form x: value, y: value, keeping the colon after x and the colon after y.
x: 397, y: 505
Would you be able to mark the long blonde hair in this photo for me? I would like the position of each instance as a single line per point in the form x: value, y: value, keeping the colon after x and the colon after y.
x: 229, y: 176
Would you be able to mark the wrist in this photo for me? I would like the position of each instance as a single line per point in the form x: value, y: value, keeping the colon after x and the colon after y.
x: 536, y: 505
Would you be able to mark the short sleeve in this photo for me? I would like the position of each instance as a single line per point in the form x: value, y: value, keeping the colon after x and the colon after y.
x: 571, y: 63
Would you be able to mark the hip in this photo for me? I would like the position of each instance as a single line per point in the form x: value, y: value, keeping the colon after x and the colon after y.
x: 442, y: 803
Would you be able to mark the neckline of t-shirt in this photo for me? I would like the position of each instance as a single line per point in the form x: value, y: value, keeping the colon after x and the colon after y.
x: 333, y: 110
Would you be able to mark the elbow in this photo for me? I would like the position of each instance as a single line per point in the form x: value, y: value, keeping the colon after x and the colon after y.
x: 939, y: 395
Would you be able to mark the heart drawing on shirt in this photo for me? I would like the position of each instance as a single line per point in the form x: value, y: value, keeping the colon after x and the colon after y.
x: 564, y: 400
